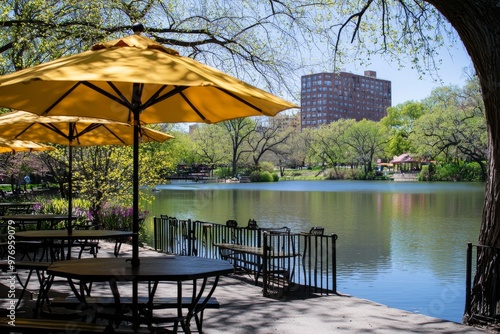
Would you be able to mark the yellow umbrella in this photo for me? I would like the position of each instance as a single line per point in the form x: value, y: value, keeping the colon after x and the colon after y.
x: 168, y: 88
x: 137, y: 80
x: 72, y: 131
x: 13, y: 146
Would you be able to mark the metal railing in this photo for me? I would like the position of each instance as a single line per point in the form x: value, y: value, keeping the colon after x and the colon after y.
x: 486, y: 310
x: 309, y: 264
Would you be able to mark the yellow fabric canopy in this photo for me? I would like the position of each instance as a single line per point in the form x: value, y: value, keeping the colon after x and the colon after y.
x: 13, y: 146
x: 73, y: 130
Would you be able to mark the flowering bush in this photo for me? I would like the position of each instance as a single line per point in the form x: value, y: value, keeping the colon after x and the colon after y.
x: 60, y: 207
x: 110, y: 216
x: 116, y: 217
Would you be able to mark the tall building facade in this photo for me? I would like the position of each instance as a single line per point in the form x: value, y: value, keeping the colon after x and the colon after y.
x: 327, y: 97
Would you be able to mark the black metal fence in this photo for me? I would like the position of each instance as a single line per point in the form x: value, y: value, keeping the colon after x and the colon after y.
x: 292, y: 263
x: 487, y: 310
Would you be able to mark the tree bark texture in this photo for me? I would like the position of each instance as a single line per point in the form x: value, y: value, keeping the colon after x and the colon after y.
x: 478, y: 25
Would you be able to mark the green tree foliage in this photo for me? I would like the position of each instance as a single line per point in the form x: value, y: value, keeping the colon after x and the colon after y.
x: 365, y: 140
x: 103, y: 174
x: 239, y: 130
x: 454, y: 127
x: 211, y: 142
x: 270, y: 134
x: 399, y: 123
x: 181, y: 149
x: 294, y: 151
x: 329, y: 143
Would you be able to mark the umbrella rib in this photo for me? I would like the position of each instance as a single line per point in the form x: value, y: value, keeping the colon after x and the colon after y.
x: 89, y: 128
x: 156, y: 98
x: 240, y: 99
x: 55, y: 129
x: 192, y: 106
x: 153, y: 99
x: 114, y: 134
x: 177, y: 90
x: 123, y: 101
x: 23, y: 131
x: 60, y: 99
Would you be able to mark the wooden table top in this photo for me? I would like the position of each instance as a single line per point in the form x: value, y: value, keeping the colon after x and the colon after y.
x: 242, y: 248
x: 259, y: 251
x: 165, y: 268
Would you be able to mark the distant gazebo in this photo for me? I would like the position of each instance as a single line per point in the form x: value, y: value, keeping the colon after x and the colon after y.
x: 406, y: 163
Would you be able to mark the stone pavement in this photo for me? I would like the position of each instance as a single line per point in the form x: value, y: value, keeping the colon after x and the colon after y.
x: 244, y: 310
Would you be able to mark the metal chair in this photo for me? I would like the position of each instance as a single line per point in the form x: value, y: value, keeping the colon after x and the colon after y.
x: 252, y: 224
x: 90, y: 245
x: 278, y: 261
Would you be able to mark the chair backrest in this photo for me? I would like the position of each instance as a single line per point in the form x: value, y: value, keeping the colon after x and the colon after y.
x: 317, y: 230
x: 279, y: 240
x: 252, y: 224
x: 232, y: 223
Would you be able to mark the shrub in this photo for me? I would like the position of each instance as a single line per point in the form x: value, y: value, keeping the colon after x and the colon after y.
x: 336, y: 174
x: 117, y: 217
x: 275, y: 177
x: 265, y: 177
x: 266, y: 167
x: 448, y: 172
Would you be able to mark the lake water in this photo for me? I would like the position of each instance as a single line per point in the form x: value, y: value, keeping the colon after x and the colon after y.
x: 402, y: 244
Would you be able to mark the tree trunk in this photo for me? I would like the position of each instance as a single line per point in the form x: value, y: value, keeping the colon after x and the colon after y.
x: 477, y: 25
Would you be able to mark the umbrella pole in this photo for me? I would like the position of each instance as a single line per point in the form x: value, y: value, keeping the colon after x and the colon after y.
x: 70, y: 198
x: 135, y: 206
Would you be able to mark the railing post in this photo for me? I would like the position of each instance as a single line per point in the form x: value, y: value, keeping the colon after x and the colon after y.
x: 468, y: 280
x: 264, y: 266
x: 155, y: 234
x: 334, y: 263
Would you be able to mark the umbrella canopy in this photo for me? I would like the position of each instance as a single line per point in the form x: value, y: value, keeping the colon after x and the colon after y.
x: 134, y: 79
x: 169, y: 88
x: 73, y: 131
x: 13, y: 146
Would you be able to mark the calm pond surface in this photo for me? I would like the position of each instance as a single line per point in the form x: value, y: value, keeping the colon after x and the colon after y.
x: 402, y: 244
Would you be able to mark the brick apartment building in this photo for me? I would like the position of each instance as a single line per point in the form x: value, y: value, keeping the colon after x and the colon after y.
x: 327, y: 97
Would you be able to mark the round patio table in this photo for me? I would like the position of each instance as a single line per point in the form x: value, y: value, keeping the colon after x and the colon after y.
x: 116, y: 271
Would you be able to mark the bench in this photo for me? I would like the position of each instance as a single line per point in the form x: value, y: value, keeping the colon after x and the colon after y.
x: 247, y: 255
x: 25, y: 325
x: 278, y: 245
x: 24, y: 248
x: 159, y: 303
x: 38, y: 267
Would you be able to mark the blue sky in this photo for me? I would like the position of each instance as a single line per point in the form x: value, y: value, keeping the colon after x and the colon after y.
x: 406, y: 82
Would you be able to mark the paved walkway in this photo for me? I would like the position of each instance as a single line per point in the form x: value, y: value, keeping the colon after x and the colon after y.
x: 244, y: 310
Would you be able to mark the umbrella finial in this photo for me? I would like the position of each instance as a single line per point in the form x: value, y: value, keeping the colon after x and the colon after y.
x: 137, y: 28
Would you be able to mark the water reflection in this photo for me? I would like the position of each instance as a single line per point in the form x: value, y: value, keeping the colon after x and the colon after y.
x: 400, y: 244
